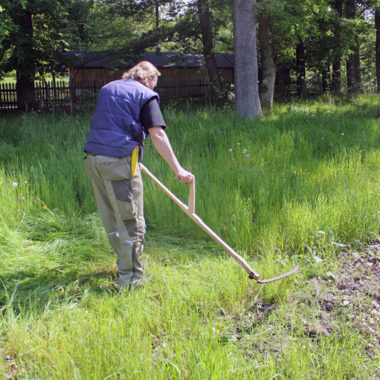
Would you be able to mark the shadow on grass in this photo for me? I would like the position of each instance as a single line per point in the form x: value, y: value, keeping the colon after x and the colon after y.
x: 172, y: 250
x: 25, y: 290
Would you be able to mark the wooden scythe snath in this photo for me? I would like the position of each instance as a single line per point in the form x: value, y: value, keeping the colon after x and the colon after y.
x: 190, y: 211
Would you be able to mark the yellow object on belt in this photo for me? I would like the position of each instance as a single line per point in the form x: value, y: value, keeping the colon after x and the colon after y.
x: 134, y: 160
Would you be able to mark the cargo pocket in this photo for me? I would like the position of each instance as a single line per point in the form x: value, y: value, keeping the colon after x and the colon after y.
x: 123, y: 193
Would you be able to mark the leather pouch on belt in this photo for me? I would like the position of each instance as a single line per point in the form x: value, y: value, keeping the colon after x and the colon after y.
x: 134, y: 160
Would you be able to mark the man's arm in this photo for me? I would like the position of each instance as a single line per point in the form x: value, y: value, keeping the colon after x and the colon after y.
x: 162, y: 144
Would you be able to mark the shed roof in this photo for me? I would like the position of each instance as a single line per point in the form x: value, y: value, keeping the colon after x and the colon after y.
x: 160, y: 60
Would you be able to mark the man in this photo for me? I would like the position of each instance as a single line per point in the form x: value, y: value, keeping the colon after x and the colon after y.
x: 126, y: 113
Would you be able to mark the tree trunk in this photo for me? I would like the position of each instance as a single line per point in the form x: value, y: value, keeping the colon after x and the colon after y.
x: 377, y: 26
x: 24, y: 63
x: 336, y: 75
x: 283, y: 81
x: 325, y: 74
x: 358, y: 79
x: 353, y: 61
x: 245, y: 57
x: 157, y: 13
x: 353, y: 69
x: 267, y: 61
x: 208, y: 52
x: 336, y: 67
x: 301, y: 70
x: 350, y: 74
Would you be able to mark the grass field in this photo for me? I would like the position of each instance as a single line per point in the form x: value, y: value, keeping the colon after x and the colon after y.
x: 301, y: 185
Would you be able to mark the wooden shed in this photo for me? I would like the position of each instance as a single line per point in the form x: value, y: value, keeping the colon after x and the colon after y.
x: 182, y: 75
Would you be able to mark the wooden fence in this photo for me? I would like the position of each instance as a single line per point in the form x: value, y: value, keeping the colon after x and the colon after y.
x: 64, y: 94
x: 8, y: 96
x: 50, y: 94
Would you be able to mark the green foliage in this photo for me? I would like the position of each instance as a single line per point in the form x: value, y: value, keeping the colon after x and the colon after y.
x: 6, y: 25
x: 55, y: 27
x: 325, y: 35
x: 128, y: 28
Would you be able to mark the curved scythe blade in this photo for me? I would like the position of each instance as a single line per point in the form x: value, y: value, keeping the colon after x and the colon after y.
x: 287, y: 274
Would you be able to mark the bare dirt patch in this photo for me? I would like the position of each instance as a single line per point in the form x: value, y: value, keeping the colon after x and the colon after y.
x: 325, y: 305
x: 353, y: 294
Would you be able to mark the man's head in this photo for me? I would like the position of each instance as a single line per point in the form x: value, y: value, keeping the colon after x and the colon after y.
x: 145, y: 73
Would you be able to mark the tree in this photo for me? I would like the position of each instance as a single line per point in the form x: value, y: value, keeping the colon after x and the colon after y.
x: 290, y: 32
x: 245, y: 56
x: 301, y: 69
x: 267, y: 58
x: 35, y: 40
x: 322, y: 44
x: 6, y: 24
x: 208, y: 51
x: 188, y: 22
x: 336, y: 66
x: 320, y: 37
x: 22, y: 57
x: 353, y: 61
x: 127, y: 28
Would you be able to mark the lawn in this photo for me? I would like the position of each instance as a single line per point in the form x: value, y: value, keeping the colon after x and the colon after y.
x: 300, y: 185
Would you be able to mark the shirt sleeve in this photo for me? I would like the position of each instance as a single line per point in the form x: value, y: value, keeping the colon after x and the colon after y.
x: 151, y: 115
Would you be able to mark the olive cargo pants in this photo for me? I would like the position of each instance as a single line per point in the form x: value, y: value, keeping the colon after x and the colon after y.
x: 120, y: 201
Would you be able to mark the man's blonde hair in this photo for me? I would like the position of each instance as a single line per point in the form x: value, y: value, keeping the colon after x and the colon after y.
x: 142, y: 72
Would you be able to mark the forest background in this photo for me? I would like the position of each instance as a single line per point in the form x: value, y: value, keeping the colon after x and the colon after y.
x: 333, y: 45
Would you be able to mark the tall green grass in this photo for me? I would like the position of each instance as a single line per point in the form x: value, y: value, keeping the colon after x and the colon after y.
x: 259, y: 183
x: 278, y: 181
x: 301, y: 183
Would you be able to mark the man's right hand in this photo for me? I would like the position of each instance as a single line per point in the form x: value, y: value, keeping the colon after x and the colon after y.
x: 184, y: 176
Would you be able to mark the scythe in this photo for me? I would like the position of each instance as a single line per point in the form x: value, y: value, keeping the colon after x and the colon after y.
x: 190, y: 211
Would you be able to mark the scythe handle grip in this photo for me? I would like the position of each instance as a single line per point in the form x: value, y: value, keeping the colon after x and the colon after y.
x: 191, y: 201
